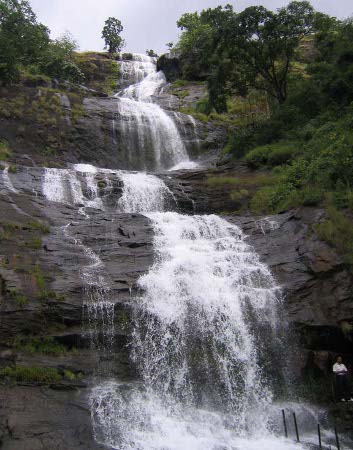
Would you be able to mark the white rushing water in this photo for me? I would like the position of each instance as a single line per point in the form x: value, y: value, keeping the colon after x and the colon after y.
x: 145, y: 127
x: 7, y: 181
x: 97, y: 300
x: 205, y: 329
x: 66, y: 186
x: 142, y: 193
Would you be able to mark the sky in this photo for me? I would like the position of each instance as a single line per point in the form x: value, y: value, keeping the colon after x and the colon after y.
x: 148, y: 24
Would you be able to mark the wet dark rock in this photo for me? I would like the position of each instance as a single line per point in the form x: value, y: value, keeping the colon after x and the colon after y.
x: 40, y: 418
x: 170, y: 65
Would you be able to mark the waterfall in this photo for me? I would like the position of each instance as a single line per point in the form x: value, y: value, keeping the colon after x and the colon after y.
x: 7, y: 181
x: 143, y: 193
x: 144, y: 127
x: 65, y: 186
x: 132, y: 72
x: 205, y: 334
x: 97, y: 302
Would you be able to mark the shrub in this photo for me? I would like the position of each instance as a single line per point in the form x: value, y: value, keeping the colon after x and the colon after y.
x: 127, y: 56
x: 17, y: 297
x: 30, y: 374
x: 13, y: 169
x: 45, y: 345
x: 257, y: 157
x: 281, y: 153
x: 5, y: 151
x: 39, y: 226
x: 34, y: 244
x: 69, y: 375
x: 260, y: 203
x: 221, y: 181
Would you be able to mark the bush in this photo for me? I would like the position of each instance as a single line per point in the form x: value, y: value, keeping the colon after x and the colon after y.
x: 281, y: 153
x: 45, y: 345
x: 257, y: 157
x: 30, y: 374
x: 127, y: 56
x: 5, y: 151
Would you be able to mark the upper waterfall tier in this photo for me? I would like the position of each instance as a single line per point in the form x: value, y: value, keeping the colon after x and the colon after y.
x: 148, y: 134
x: 134, y: 71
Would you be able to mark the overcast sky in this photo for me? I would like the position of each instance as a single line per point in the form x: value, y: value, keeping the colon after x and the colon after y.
x: 148, y: 24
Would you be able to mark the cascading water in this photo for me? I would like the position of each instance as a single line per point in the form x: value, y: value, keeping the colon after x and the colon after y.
x: 144, y: 126
x: 7, y: 181
x: 64, y: 186
x: 142, y: 193
x: 205, y: 330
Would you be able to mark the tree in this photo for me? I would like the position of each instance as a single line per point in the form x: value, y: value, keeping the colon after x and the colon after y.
x: 254, y: 48
x: 198, y: 41
x: 170, y: 45
x: 151, y: 53
x: 111, y: 34
x: 261, y: 45
x: 22, y: 39
x: 59, y: 59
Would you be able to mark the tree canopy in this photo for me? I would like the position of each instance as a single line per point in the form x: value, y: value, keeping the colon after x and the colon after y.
x: 114, y: 43
x: 253, y: 48
x: 22, y: 38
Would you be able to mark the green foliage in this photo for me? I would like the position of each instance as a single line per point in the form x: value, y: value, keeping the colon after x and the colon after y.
x: 253, y: 48
x: 45, y: 345
x: 69, y: 375
x: 100, y: 72
x: 151, y: 53
x: 34, y: 244
x: 59, y: 60
x: 17, y: 297
x: 40, y: 279
x: 39, y: 226
x: 13, y: 169
x: 30, y: 375
x: 271, y: 155
x: 337, y: 231
x: 111, y: 35
x: 22, y: 39
x: 127, y: 56
x: 221, y: 181
x: 5, y: 151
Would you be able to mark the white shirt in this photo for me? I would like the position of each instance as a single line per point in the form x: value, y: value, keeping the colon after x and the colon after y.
x: 340, y: 369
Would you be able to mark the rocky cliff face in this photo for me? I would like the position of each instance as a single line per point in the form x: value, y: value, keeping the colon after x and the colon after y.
x: 52, y: 124
x: 44, y: 250
x: 48, y: 356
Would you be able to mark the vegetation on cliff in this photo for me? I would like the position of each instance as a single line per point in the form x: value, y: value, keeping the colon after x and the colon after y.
x: 300, y: 62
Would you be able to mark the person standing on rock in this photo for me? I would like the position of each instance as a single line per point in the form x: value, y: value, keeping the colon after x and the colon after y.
x: 341, y: 376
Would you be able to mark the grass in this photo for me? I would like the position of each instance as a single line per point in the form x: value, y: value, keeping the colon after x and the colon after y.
x: 180, y: 94
x: 221, y: 181
x: 30, y: 374
x: 100, y: 73
x: 44, y: 229
x: 13, y: 169
x: 34, y: 244
x: 5, y: 151
x: 45, y: 345
x: 40, y: 280
x: 271, y: 155
x: 17, y: 297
